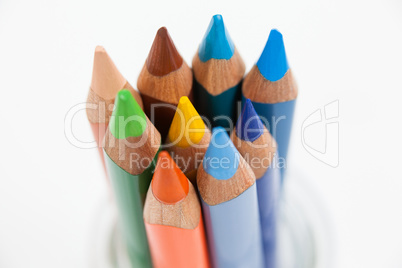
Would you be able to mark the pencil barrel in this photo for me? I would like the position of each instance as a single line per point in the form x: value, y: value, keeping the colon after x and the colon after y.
x: 223, y: 105
x: 130, y: 192
x: 234, y: 234
x: 177, y: 247
x: 160, y: 113
x: 192, y: 177
x: 278, y: 119
x: 268, y: 189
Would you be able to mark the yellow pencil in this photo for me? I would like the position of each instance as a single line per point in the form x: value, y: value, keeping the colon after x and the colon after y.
x: 188, y: 138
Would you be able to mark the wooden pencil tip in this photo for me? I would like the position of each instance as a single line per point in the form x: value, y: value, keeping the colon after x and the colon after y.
x: 163, y: 57
x: 169, y: 184
x: 187, y: 127
x: 106, y: 78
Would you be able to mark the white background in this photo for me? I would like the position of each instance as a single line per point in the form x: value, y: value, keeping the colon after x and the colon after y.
x: 340, y: 50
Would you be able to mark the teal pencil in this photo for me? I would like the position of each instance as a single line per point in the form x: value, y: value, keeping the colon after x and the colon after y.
x: 218, y: 72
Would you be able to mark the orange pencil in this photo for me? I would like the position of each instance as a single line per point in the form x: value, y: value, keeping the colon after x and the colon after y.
x: 173, y: 219
x: 106, y: 82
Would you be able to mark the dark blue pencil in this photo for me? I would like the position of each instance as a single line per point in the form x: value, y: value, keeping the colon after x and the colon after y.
x: 258, y: 148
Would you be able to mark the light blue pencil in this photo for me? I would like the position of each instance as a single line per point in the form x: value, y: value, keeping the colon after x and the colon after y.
x: 228, y: 192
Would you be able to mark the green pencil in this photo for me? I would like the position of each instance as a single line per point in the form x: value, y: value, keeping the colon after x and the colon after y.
x: 131, y: 146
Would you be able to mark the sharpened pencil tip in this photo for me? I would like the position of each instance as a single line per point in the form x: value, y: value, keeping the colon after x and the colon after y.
x: 221, y: 158
x: 187, y: 127
x: 163, y: 57
x: 162, y: 32
x: 100, y: 49
x: 216, y: 43
x: 273, y: 63
x: 106, y: 78
x: 249, y: 126
x: 169, y: 184
x: 128, y: 119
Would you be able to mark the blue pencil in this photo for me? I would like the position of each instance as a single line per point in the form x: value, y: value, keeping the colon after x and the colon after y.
x: 258, y: 148
x: 218, y: 72
x: 271, y: 88
x: 228, y: 192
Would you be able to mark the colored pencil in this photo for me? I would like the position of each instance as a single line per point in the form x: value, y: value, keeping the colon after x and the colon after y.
x: 271, y: 87
x: 164, y: 78
x: 258, y: 148
x: 131, y: 147
x: 188, y: 138
x: 173, y: 219
x: 226, y: 184
x: 218, y: 72
x: 106, y: 82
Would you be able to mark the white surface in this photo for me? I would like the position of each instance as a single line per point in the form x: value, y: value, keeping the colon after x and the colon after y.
x: 340, y: 50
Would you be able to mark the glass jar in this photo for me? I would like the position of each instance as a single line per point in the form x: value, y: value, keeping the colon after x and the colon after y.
x: 304, y: 233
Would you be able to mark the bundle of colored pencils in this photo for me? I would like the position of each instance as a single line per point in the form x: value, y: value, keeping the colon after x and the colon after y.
x: 189, y: 194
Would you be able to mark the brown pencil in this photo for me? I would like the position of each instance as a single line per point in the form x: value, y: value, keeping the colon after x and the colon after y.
x: 164, y: 78
x: 106, y: 82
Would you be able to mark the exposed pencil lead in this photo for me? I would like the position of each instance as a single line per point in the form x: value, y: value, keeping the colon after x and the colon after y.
x: 187, y: 127
x: 249, y: 126
x: 216, y: 43
x: 106, y: 78
x: 221, y: 158
x: 163, y: 57
x: 128, y: 119
x: 169, y: 184
x: 273, y: 63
